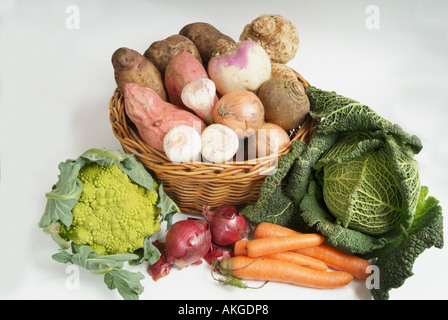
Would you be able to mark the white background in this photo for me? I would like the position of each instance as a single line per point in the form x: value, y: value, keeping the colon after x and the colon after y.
x: 56, y: 83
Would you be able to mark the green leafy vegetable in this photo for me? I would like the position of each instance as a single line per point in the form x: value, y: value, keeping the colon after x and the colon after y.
x: 273, y: 204
x: 357, y: 183
x: 104, y: 207
x: 64, y: 195
x: 126, y: 282
x: 314, y: 213
x: 399, y: 255
x: 369, y: 188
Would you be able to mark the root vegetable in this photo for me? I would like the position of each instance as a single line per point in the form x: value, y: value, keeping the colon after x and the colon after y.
x: 242, y: 111
x: 332, y: 257
x: 161, y: 52
x: 131, y: 67
x: 339, y: 260
x: 300, y: 259
x: 265, y: 246
x: 280, y: 70
x: 153, y: 117
x: 268, y: 139
x: 217, y: 253
x: 181, y: 70
x: 245, y: 68
x: 226, y: 224
x: 285, y: 102
x: 276, y: 34
x: 200, y: 96
x: 182, y: 144
x: 161, y: 268
x: 239, y: 249
x: 219, y: 143
x: 266, y: 269
x: 187, y: 242
x: 207, y: 39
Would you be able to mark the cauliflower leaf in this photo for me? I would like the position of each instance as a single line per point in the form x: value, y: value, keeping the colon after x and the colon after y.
x: 126, y: 282
x: 104, y: 207
x: 127, y: 162
x: 63, y: 196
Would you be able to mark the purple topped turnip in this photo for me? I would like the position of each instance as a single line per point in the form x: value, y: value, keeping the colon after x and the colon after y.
x: 245, y: 68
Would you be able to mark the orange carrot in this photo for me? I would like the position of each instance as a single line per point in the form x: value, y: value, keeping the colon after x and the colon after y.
x: 267, y: 269
x: 267, y: 229
x: 239, y: 249
x: 334, y: 258
x: 300, y: 259
x: 339, y: 260
x: 266, y: 246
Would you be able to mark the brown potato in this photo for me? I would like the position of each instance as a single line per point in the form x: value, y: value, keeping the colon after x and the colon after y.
x: 131, y: 67
x: 207, y: 39
x: 161, y: 52
x: 285, y: 102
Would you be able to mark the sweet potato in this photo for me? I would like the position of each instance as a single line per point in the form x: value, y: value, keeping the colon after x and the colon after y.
x: 153, y: 117
x: 207, y: 39
x: 285, y: 102
x: 181, y: 70
x: 161, y: 52
x: 131, y: 67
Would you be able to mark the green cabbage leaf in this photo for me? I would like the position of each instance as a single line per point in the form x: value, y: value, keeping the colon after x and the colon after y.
x: 398, y: 257
x: 357, y: 183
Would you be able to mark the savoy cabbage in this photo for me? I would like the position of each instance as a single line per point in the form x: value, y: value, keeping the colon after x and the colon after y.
x: 356, y: 182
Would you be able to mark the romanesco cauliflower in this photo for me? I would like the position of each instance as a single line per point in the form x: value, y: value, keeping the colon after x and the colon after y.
x: 102, y: 212
x: 113, y: 214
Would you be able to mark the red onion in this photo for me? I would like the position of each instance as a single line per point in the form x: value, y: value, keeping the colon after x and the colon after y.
x: 218, y: 253
x: 187, y: 242
x: 161, y: 268
x: 226, y: 224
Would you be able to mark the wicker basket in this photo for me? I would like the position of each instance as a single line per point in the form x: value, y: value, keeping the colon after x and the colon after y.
x: 192, y: 185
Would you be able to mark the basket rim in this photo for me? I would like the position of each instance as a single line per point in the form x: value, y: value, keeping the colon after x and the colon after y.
x: 157, y: 161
